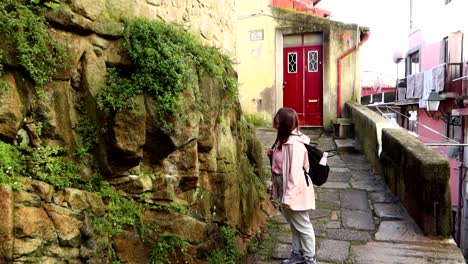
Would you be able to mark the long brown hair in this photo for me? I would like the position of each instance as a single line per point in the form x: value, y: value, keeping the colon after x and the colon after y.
x: 287, y: 120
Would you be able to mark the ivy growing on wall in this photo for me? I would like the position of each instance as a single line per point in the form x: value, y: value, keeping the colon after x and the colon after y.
x: 166, y: 61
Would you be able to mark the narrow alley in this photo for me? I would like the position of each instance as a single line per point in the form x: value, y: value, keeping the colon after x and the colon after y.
x: 357, y: 220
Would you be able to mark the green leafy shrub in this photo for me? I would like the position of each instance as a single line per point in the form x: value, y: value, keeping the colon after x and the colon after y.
x: 86, y: 130
x: 122, y: 212
x: 10, y: 165
x: 36, y: 51
x: 166, y: 244
x: 47, y: 164
x: 166, y: 60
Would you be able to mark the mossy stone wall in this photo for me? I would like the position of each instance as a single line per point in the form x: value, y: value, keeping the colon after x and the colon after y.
x: 418, y: 176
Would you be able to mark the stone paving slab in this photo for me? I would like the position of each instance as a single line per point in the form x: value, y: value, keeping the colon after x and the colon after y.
x: 333, y: 250
x: 283, y: 238
x: 388, y: 211
x: 326, y: 195
x: 358, y: 220
x: 355, y: 159
x: 359, y: 167
x: 382, y: 197
x: 391, y: 253
x: 335, y: 185
x: 281, y: 251
x: 348, y: 235
x: 343, y: 169
x: 399, y: 231
x: 320, y: 213
x: 338, y: 176
x: 369, y: 185
x: 354, y: 200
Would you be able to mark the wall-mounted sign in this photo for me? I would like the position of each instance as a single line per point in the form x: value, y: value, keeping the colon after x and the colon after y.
x: 256, y: 35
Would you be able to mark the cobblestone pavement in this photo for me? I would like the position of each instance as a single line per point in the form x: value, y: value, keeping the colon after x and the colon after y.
x: 357, y: 220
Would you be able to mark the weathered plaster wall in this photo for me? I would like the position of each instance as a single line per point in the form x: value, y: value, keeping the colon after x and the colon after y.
x: 256, y: 66
x: 413, y: 172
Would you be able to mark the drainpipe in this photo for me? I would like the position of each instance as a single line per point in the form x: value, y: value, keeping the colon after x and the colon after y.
x: 349, y: 51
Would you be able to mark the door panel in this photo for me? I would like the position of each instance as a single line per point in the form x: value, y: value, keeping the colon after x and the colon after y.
x: 313, y: 86
x: 293, y: 80
x: 302, y: 83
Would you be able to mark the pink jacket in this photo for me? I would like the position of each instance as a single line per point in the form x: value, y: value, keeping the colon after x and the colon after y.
x: 296, y: 194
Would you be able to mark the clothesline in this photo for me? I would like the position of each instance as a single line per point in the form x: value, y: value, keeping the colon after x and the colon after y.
x: 426, y: 127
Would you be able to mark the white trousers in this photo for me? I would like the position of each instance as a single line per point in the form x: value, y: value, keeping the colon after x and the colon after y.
x: 303, y: 236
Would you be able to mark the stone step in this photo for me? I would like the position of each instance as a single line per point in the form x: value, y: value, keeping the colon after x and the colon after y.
x: 346, y: 145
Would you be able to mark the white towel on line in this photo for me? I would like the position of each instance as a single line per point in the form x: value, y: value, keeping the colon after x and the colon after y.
x: 438, y: 75
x: 428, y: 86
x: 410, y: 83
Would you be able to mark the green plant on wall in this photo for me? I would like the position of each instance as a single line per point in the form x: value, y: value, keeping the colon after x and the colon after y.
x: 166, y: 244
x: 86, y: 130
x: 35, y: 50
x: 47, y: 164
x: 230, y: 254
x: 122, y: 212
x: 166, y: 60
x: 10, y: 165
x: 46, y: 3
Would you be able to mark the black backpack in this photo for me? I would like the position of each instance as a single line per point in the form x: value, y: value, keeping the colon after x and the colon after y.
x: 317, y: 173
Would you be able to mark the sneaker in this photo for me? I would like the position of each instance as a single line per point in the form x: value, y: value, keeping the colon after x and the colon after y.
x: 295, y: 258
x: 310, y: 260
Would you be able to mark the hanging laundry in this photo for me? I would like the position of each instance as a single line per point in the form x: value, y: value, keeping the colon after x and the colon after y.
x: 438, y: 74
x: 428, y: 86
x: 418, y: 85
x: 410, y: 83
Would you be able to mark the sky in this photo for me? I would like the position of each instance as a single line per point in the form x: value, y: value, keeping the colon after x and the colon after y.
x: 389, y: 26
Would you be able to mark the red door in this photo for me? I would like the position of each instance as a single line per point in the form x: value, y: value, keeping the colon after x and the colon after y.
x: 302, y: 83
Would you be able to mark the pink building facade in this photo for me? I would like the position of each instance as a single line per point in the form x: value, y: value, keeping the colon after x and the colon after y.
x: 436, y: 61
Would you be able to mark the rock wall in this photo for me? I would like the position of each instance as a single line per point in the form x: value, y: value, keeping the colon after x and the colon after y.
x: 213, y: 20
x: 201, y: 165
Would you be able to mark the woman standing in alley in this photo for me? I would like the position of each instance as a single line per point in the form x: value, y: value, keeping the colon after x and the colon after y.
x: 297, y: 198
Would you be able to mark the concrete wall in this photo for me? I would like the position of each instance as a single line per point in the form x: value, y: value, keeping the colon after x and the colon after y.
x: 418, y: 176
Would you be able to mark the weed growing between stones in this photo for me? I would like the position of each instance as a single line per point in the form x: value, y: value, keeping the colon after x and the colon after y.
x: 230, y: 254
x: 87, y: 139
x: 122, y: 212
x: 166, y: 61
x: 258, y: 119
x: 166, y: 244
